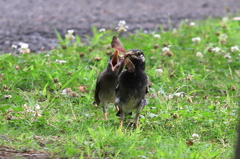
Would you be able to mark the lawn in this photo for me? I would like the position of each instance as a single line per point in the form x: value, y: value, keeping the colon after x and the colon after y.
x: 46, y: 100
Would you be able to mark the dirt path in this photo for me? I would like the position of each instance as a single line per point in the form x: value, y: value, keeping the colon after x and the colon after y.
x: 33, y: 21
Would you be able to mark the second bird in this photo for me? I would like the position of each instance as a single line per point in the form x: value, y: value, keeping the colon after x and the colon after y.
x: 106, y: 83
x: 132, y: 86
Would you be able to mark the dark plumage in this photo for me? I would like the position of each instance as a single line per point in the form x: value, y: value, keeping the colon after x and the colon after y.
x: 132, y: 86
x: 106, y: 83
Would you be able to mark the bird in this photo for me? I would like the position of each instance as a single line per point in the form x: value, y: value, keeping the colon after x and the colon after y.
x: 132, y: 86
x: 106, y: 83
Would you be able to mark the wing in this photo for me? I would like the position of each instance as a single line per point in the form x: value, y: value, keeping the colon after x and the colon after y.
x: 148, y: 84
x: 130, y: 66
x: 96, y: 97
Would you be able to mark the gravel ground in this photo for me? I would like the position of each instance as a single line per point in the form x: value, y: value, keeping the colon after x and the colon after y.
x: 33, y: 21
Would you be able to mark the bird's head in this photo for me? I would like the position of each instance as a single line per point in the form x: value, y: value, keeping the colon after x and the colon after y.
x: 115, y: 63
x: 136, y: 58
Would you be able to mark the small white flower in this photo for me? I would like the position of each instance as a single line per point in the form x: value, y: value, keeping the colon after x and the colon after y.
x: 122, y: 26
x: 14, y: 46
x: 199, y: 54
x: 225, y: 19
x: 174, y: 30
x: 192, y: 24
x: 23, y: 45
x: 29, y: 110
x: 24, y: 48
x: 102, y: 30
x: 227, y: 56
x: 37, y: 107
x: 159, y: 71
x: 156, y: 36
x: 165, y: 49
x: 170, y: 96
x: 179, y: 94
x: 70, y: 35
x: 195, y: 137
x: 121, y: 23
x: 234, y: 49
x: 196, y: 39
x: 70, y: 31
x: 223, y: 38
x: 47, y: 55
x: 61, y: 61
x: 216, y: 49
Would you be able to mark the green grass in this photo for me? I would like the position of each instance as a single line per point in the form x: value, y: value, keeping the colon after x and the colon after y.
x: 71, y: 126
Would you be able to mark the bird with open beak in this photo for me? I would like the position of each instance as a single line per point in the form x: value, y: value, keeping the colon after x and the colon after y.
x: 132, y: 86
x: 106, y: 83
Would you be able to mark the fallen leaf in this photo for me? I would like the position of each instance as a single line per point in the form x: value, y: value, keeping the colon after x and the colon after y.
x: 116, y: 44
x: 82, y: 88
x: 189, y: 143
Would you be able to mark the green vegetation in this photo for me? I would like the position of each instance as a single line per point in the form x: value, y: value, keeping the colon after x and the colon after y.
x: 192, y: 111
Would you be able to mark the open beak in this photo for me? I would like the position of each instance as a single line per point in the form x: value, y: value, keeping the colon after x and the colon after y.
x: 114, y: 60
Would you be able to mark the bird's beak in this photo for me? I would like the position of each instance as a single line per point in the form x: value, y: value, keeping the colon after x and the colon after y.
x: 130, y: 54
x: 114, y: 60
x: 129, y: 65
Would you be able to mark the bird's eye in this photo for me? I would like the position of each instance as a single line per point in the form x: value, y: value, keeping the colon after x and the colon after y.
x: 139, y: 53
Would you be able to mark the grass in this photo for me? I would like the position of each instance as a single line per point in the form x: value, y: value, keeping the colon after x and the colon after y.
x: 190, y: 95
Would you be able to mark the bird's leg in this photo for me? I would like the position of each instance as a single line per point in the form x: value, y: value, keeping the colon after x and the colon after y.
x: 116, y: 107
x: 105, y: 116
x: 121, y: 123
x: 104, y: 105
x: 136, y: 119
x: 122, y: 119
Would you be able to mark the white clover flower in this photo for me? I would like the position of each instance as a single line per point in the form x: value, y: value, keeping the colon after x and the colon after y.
x: 165, y: 49
x: 70, y: 31
x: 227, y: 56
x: 199, y: 54
x: 37, y: 107
x: 157, y: 36
x: 234, y: 49
x: 47, y: 55
x: 192, y: 24
x: 24, y: 48
x: 174, y: 30
x: 196, y: 39
x: 179, y: 94
x: 216, y: 49
x: 70, y: 35
x: 102, y: 30
x: 225, y: 19
x: 223, y: 38
x: 61, y: 61
x: 122, y: 26
x: 159, y: 71
x: 14, y: 46
x: 170, y: 96
x: 195, y: 137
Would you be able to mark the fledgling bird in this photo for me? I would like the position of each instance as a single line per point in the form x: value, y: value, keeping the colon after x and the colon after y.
x: 106, y: 83
x: 132, y: 86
